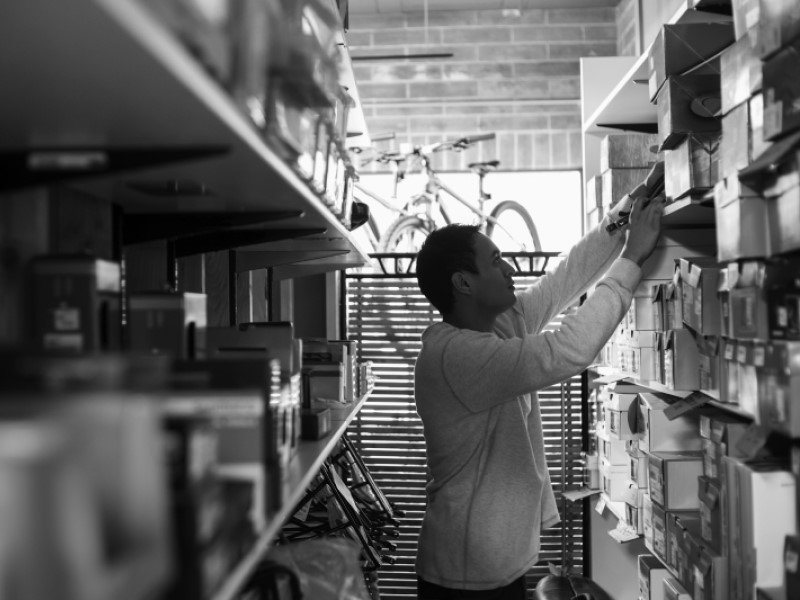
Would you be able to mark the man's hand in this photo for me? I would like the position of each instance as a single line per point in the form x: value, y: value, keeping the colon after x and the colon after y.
x: 645, y: 229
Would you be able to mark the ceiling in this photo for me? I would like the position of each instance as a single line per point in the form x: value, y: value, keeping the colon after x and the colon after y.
x: 395, y: 6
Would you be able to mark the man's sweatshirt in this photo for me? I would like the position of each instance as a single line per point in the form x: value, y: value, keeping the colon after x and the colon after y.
x: 488, y: 491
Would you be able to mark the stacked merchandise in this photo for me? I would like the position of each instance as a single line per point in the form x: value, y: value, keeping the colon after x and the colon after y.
x: 279, y: 61
x: 625, y: 160
x: 720, y: 510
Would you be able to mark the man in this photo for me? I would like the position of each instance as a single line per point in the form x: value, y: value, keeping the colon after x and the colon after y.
x: 488, y: 489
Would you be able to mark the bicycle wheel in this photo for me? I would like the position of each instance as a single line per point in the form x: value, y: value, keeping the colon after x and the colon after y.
x: 516, y: 230
x: 406, y: 234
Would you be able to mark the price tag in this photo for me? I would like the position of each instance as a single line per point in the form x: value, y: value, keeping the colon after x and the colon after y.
x: 673, y: 411
x: 574, y: 495
x: 758, y: 355
x: 600, y: 507
x: 752, y: 441
x: 623, y: 533
x: 790, y: 560
x: 729, y: 350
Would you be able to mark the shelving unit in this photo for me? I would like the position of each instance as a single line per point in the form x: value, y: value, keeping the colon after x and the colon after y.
x: 120, y: 83
x: 301, y: 470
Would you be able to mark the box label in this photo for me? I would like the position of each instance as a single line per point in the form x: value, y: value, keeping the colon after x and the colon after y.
x: 66, y: 318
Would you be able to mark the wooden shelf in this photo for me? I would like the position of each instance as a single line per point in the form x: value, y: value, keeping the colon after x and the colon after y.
x: 105, y: 74
x: 302, y: 469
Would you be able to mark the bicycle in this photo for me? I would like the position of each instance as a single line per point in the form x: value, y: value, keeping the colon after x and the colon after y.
x: 509, y: 224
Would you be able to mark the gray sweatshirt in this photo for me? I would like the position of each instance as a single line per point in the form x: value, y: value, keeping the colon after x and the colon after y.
x: 488, y: 490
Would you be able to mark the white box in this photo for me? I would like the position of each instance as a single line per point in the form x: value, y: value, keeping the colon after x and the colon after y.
x: 613, y: 480
x: 673, y: 479
x: 662, y: 435
x: 638, y: 469
x: 612, y: 449
x: 652, y: 574
x: 617, y: 416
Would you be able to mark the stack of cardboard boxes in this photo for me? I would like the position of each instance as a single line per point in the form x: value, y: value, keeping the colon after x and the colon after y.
x: 718, y: 511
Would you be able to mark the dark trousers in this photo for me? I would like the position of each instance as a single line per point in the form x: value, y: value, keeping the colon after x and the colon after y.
x: 430, y: 591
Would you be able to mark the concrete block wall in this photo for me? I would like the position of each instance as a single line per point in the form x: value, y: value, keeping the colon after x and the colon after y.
x: 627, y: 20
x: 512, y: 72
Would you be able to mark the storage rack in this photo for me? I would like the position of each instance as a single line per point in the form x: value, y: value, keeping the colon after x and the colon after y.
x: 615, y: 99
x: 108, y: 102
x: 300, y: 472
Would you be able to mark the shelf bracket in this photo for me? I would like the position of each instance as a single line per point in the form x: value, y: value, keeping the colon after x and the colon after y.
x: 228, y: 240
x: 42, y: 166
x: 637, y: 127
x: 147, y: 227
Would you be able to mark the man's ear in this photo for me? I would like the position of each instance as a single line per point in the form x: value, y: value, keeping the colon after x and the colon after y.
x: 461, y: 283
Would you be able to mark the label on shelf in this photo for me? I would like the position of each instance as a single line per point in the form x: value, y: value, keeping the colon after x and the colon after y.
x: 623, y: 533
x: 683, y: 406
x: 752, y: 441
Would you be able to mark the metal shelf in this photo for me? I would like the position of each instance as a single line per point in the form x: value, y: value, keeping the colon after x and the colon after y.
x: 105, y: 75
x: 302, y: 469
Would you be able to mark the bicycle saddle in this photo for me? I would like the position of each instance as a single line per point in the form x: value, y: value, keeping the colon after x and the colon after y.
x: 484, y: 167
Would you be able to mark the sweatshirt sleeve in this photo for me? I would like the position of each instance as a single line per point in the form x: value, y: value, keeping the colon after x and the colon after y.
x: 585, y: 263
x: 484, y: 370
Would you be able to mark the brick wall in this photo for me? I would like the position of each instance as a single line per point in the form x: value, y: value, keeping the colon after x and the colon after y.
x: 627, y: 28
x: 516, y: 74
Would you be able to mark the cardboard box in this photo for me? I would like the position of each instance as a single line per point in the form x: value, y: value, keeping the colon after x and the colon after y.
x: 742, y: 221
x: 682, y: 528
x: 633, y: 507
x: 681, y: 358
x: 783, y: 195
x: 687, y: 105
x: 778, y: 25
x: 637, y: 468
x: 673, y: 479
x: 709, y: 364
x: 734, y: 150
x: 628, y: 151
x: 657, y: 294
x: 748, y: 300
x: 758, y: 143
x: 748, y: 355
x: 692, y: 167
x: 268, y: 339
x: 617, y: 420
x: 710, y: 576
x: 612, y: 449
x: 699, y: 287
x: 647, y: 522
x: 740, y: 72
x: 618, y: 182
x: 679, y: 47
x: 779, y: 388
x: 652, y: 573
x: 783, y: 299
x: 673, y: 590
x: 781, y: 92
x: 659, y: 433
x: 745, y: 16
x: 658, y: 357
x: 659, y: 544
x: 724, y: 297
x: 729, y: 372
x: 75, y: 304
x: 710, y: 495
x: 613, y: 480
x: 764, y: 493
x: 167, y: 323
x: 674, y: 304
x: 594, y: 194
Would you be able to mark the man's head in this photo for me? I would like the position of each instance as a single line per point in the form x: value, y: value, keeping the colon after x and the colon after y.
x: 457, y: 263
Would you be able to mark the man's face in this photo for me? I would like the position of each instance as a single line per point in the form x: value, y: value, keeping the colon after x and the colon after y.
x: 493, y: 286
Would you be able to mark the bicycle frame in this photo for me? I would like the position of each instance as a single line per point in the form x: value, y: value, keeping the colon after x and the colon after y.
x: 434, y: 185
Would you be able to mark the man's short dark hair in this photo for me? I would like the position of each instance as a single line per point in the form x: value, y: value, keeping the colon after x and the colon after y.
x: 444, y: 252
